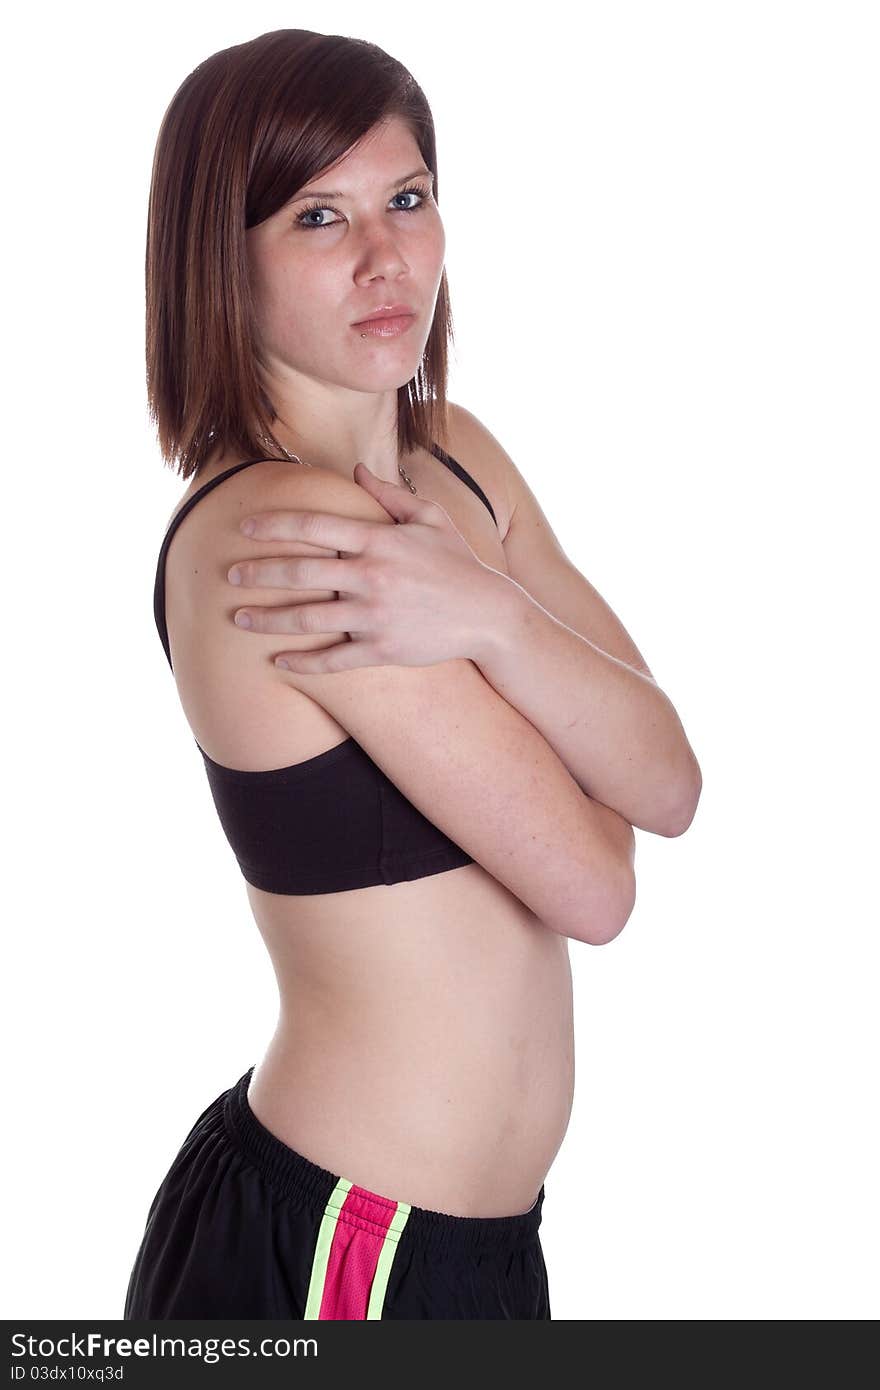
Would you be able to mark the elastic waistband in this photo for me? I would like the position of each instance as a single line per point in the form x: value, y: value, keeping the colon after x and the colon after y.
x: 291, y: 1174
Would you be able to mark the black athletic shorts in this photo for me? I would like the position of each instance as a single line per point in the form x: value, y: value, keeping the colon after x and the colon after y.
x: 242, y: 1226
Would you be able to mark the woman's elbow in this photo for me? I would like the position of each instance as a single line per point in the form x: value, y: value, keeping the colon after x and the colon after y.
x: 686, y: 807
x: 621, y: 904
x: 606, y: 919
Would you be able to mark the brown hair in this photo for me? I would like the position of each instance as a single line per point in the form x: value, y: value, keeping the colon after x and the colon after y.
x: 248, y: 128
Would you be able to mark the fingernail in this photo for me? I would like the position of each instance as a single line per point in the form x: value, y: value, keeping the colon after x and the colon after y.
x: 282, y: 662
x: 243, y: 619
x: 248, y: 526
x: 234, y: 576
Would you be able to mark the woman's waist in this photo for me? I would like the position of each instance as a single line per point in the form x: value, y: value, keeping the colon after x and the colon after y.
x: 461, y: 949
x: 479, y: 1025
x: 425, y: 1042
x: 495, y: 1060
x: 466, y: 1127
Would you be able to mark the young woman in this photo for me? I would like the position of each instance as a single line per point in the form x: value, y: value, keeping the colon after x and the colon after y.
x: 438, y: 791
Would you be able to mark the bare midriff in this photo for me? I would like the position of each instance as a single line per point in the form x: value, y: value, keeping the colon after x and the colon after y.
x: 424, y: 1048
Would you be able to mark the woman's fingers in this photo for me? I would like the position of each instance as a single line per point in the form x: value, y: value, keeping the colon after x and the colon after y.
x: 343, y: 656
x: 330, y: 615
x: 320, y: 528
x: 296, y: 572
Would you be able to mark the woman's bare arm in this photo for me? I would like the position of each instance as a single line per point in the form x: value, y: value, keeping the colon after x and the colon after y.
x: 454, y: 747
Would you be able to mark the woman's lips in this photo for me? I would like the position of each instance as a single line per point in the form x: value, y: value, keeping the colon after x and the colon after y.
x: 386, y: 328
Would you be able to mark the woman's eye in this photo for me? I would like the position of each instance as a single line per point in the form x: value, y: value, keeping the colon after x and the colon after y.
x: 305, y: 217
x: 311, y: 210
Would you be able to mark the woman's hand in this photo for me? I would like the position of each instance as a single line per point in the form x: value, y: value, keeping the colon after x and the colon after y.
x: 409, y: 595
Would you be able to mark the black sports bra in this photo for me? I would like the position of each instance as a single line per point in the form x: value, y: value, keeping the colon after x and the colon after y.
x: 331, y: 822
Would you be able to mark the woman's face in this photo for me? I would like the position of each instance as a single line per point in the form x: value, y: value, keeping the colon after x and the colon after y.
x: 321, y: 263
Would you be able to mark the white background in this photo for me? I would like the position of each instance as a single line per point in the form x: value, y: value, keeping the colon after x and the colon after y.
x: 662, y: 247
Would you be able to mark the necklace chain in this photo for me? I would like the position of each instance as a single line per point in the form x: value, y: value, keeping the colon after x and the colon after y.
x: 295, y: 458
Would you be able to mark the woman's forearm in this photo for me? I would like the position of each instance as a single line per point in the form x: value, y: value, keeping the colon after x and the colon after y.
x: 613, y: 727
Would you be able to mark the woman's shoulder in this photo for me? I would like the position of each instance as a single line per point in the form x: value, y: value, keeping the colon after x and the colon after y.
x: 233, y: 482
x: 472, y: 444
x: 245, y: 729
x: 216, y: 466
